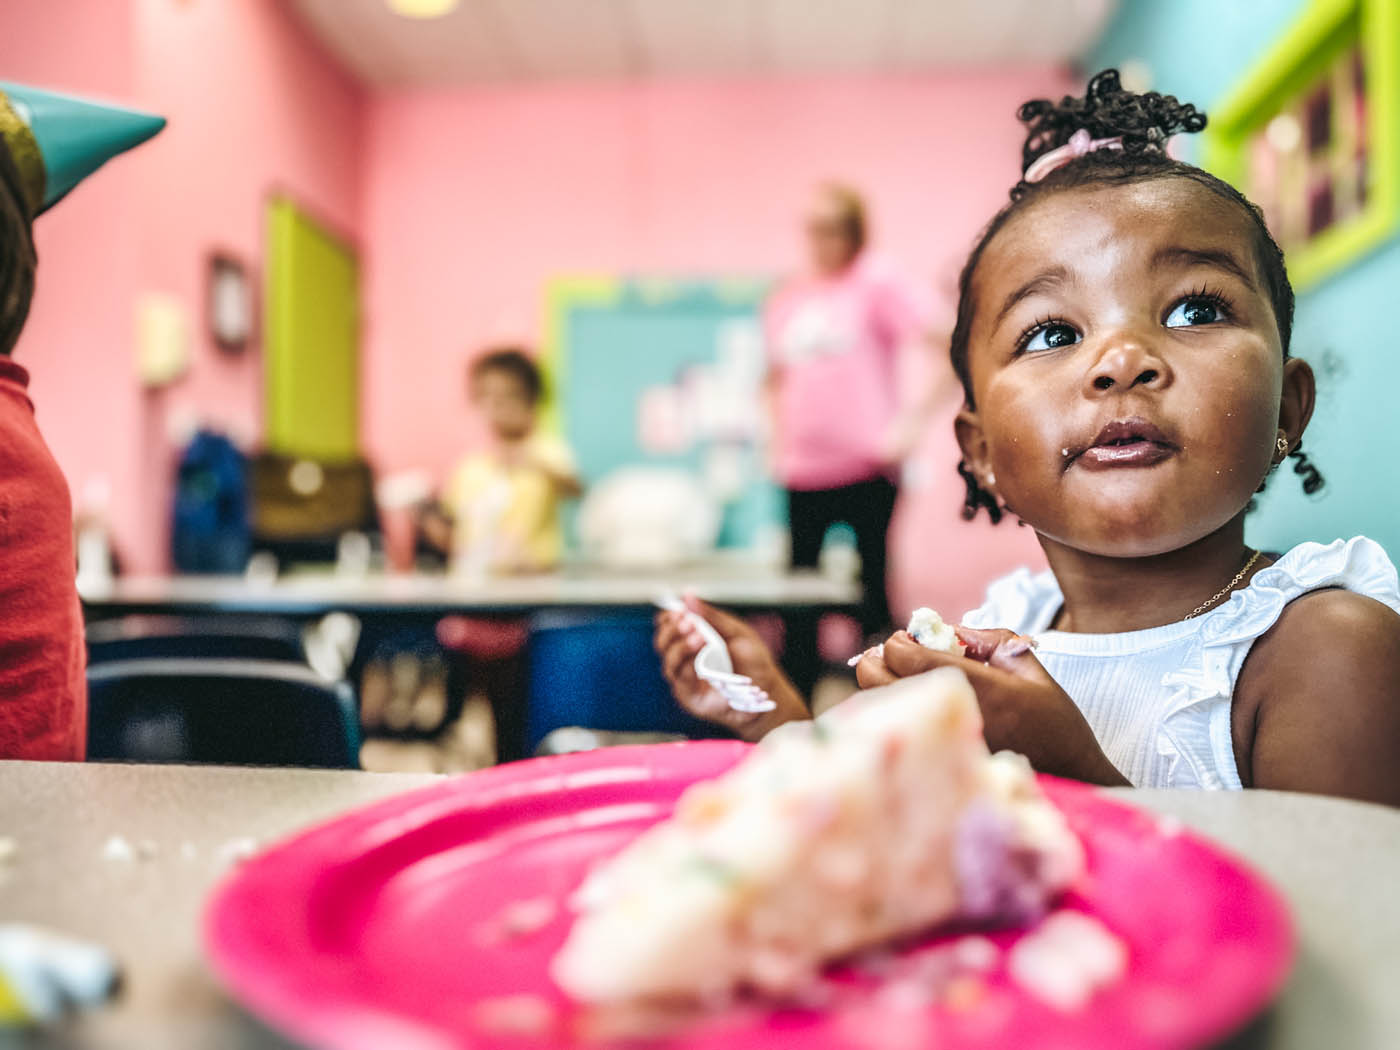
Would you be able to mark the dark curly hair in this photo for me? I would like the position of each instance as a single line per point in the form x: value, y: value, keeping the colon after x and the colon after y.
x: 17, y: 260
x: 1144, y: 122
x: 514, y: 361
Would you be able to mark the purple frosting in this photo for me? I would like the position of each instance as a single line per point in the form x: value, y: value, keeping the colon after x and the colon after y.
x: 998, y: 877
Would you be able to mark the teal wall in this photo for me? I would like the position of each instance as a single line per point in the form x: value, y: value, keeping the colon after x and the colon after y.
x: 1197, y: 50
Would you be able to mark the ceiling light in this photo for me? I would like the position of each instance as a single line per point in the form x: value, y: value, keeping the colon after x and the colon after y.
x: 422, y: 8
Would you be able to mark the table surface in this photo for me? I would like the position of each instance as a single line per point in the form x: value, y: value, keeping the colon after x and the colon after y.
x: 727, y: 583
x: 1335, y: 861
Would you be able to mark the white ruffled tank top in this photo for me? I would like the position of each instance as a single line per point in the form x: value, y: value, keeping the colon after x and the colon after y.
x: 1159, y: 700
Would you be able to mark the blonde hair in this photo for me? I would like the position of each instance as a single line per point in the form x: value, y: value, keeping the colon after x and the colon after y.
x: 850, y: 211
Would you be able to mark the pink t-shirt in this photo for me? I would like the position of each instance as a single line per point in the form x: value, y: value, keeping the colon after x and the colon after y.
x: 833, y: 344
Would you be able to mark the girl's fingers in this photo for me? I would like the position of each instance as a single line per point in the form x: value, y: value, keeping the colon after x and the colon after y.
x: 1004, y: 650
x: 729, y: 627
x: 673, y: 660
x: 675, y: 630
x: 982, y: 644
x: 666, y: 633
x: 906, y: 657
x: 871, y: 670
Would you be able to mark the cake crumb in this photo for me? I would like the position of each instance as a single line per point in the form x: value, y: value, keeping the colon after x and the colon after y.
x: 1067, y: 959
x: 119, y: 850
x: 515, y: 1015
x: 523, y: 917
x: 1170, y: 826
x: 236, y: 851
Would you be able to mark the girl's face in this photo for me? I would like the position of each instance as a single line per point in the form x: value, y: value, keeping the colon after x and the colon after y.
x: 505, y: 402
x: 829, y: 246
x: 1127, y: 370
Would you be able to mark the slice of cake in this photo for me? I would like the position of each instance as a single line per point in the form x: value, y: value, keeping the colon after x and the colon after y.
x: 881, y: 819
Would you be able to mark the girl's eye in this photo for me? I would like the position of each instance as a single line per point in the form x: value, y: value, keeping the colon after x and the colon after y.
x: 1050, y: 337
x: 1194, y: 311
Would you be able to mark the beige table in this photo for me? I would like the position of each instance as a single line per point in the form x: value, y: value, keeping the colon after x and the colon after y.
x: 728, y: 582
x: 1337, y: 863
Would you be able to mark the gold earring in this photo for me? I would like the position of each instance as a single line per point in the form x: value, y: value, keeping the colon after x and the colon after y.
x: 1282, y: 446
x: 991, y: 479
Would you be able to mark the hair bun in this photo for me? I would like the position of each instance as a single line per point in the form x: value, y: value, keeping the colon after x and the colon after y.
x: 1143, y: 121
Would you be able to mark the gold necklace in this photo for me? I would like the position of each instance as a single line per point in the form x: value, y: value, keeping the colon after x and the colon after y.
x: 1226, y: 589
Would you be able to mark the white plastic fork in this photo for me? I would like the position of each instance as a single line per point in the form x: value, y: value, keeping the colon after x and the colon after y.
x: 714, y: 667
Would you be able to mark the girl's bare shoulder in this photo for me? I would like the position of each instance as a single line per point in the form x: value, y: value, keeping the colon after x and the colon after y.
x: 1317, y: 703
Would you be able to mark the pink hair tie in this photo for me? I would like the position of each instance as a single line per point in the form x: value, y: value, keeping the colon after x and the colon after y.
x: 1078, y: 145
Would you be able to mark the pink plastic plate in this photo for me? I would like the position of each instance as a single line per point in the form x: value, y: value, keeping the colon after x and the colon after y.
x: 428, y: 921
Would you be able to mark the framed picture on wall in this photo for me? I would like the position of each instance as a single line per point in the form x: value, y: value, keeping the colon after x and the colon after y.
x: 1312, y: 135
x: 230, y: 304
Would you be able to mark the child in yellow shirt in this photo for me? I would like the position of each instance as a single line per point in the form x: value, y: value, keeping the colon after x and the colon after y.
x: 500, y: 509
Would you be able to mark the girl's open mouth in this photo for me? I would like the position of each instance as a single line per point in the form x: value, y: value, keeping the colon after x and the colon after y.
x: 1134, y: 442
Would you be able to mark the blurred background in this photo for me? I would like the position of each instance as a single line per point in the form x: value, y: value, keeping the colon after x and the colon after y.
x: 252, y: 339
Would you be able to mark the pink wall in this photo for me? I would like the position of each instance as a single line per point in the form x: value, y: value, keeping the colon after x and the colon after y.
x: 253, y: 103
x: 473, y: 199
x: 77, y: 343
x: 465, y: 203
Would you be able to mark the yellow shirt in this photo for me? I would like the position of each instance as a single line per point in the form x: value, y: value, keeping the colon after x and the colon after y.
x: 506, y: 516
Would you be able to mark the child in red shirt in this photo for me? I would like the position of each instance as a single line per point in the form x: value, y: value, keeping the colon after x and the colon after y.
x: 43, y: 690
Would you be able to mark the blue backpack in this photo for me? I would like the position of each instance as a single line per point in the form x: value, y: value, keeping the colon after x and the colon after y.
x: 210, y: 532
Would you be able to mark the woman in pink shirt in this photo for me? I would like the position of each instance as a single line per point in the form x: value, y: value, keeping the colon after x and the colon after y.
x: 840, y: 429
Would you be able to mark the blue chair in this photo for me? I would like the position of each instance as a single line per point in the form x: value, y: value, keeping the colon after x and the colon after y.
x: 234, y: 712
x: 601, y: 674
x: 212, y: 637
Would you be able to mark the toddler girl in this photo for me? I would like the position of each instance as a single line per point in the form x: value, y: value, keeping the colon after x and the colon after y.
x: 1123, y: 343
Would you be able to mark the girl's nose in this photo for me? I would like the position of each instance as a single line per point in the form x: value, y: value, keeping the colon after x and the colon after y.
x: 1127, y: 361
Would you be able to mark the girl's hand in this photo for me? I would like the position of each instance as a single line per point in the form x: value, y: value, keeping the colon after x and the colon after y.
x: 678, y: 641
x: 1023, y: 709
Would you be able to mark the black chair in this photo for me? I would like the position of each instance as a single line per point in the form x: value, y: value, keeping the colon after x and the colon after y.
x: 235, y: 712
x: 214, y: 637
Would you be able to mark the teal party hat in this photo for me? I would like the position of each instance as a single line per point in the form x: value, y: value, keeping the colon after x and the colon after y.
x: 59, y: 140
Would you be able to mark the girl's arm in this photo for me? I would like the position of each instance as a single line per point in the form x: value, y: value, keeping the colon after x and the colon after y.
x: 555, y: 462
x: 1317, y: 703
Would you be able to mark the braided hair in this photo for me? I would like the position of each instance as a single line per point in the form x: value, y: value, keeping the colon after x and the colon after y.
x: 1143, y: 122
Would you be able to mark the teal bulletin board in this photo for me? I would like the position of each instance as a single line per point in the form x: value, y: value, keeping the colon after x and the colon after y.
x: 665, y: 373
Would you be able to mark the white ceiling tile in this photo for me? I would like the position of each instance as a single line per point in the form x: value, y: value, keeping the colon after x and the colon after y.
x: 386, y: 48
x: 550, y: 39
x: 825, y: 35
x: 696, y: 36
x: 567, y: 38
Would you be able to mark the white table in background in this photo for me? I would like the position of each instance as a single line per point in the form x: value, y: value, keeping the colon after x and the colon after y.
x: 734, y: 585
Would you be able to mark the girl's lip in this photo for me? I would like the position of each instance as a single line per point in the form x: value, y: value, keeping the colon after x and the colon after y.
x: 1137, y: 454
x: 1133, y: 442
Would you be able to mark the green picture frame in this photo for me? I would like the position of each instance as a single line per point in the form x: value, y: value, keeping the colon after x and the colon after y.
x: 1291, y: 76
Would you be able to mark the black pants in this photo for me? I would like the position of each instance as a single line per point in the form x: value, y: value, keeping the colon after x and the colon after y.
x: 866, y: 507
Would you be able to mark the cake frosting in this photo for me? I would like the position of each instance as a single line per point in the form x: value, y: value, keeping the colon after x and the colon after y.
x: 929, y: 630
x: 883, y: 818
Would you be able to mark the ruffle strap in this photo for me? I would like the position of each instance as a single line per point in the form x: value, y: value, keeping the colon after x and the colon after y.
x: 1359, y: 565
x: 1019, y: 601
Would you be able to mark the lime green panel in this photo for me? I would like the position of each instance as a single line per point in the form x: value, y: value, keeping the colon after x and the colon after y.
x: 1290, y: 66
x: 312, y: 370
